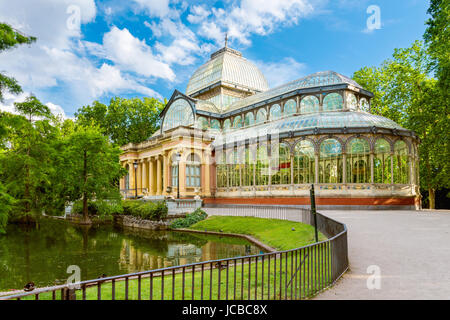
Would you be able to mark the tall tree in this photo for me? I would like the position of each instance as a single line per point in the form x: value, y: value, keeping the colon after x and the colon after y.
x: 123, y: 120
x: 405, y: 93
x: 24, y: 160
x: 437, y: 36
x: 10, y: 38
x: 90, y: 168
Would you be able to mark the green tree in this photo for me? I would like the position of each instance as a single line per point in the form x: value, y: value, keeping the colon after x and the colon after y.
x: 437, y: 36
x: 10, y: 38
x: 405, y: 93
x: 24, y: 162
x: 123, y: 120
x: 90, y: 168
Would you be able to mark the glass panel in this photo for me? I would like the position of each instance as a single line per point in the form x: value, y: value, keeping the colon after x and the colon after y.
x: 401, y: 163
x: 261, y: 116
x: 275, y: 112
x: 364, y: 105
x: 262, y: 166
x: 226, y: 125
x: 215, y: 124
x: 249, y: 119
x: 202, y: 123
x: 304, y: 162
x: 237, y: 123
x: 179, y: 114
x: 333, y: 101
x: 358, y: 161
x: 330, y: 162
x: 309, y: 104
x: 382, y: 162
x: 280, y: 164
x: 248, y: 165
x: 290, y: 107
x: 193, y: 170
x: 221, y: 169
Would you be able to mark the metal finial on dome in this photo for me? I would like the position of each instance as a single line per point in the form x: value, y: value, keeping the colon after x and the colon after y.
x: 226, y: 39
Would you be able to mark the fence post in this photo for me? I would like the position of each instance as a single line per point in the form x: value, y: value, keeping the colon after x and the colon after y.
x: 69, y: 294
x: 313, y: 211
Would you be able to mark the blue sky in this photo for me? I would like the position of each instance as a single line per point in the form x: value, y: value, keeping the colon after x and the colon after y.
x: 94, y: 50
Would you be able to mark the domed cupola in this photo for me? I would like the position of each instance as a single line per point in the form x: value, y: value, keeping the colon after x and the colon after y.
x: 226, y: 78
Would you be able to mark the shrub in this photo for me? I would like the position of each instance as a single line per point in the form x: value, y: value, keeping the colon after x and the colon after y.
x: 100, y: 208
x: 145, y: 210
x: 190, y: 219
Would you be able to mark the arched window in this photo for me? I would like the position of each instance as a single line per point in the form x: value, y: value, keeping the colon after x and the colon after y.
x: 221, y: 169
x: 290, y: 107
x: 226, y: 125
x: 237, y: 123
x: 261, y: 116
x: 382, y: 162
x: 215, y: 124
x: 202, y: 123
x: 309, y: 104
x: 249, y: 119
x: 193, y: 171
x: 364, y: 105
x: 333, y: 101
x: 262, y: 166
x: 127, y: 177
x: 280, y: 164
x: 330, y: 162
x: 179, y: 114
x: 352, y: 102
x: 358, y: 161
x: 401, y: 165
x: 275, y: 112
x: 304, y: 162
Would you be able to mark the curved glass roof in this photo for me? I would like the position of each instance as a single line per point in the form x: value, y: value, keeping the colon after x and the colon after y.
x: 317, y: 120
x: 318, y: 79
x: 227, y: 65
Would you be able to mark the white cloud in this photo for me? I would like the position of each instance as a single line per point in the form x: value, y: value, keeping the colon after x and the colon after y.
x: 56, y: 110
x: 247, y: 17
x: 278, y: 73
x: 198, y: 14
x: 132, y: 54
x: 183, y: 47
x: 155, y: 8
x: 60, y: 64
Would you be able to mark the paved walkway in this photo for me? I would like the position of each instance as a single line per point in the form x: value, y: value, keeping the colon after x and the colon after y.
x: 411, y: 248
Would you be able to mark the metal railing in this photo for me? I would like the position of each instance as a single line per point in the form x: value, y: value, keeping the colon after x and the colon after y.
x: 291, y: 274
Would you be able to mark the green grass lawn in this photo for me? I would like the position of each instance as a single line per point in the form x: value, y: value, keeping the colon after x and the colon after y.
x: 275, y: 233
x: 286, y: 276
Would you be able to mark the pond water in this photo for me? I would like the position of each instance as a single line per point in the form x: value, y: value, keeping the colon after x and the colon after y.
x: 42, y: 254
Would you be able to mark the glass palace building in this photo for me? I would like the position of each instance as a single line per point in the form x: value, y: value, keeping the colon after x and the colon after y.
x: 230, y: 139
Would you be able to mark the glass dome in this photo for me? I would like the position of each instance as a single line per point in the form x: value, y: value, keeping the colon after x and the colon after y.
x: 227, y: 65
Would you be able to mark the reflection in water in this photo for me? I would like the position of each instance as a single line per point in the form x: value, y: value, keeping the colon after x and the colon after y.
x: 43, y: 254
x: 134, y: 259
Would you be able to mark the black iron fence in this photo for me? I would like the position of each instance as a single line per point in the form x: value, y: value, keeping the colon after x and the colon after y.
x: 292, y: 274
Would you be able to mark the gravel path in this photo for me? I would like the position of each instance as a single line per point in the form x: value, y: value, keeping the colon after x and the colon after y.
x: 411, y: 249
